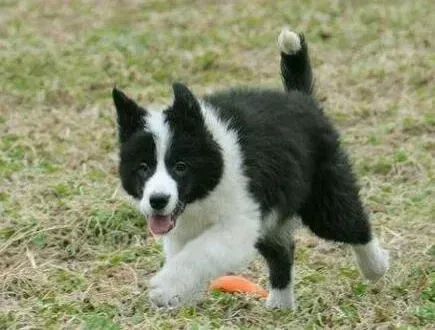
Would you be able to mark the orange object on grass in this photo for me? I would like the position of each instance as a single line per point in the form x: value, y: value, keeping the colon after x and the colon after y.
x: 237, y: 284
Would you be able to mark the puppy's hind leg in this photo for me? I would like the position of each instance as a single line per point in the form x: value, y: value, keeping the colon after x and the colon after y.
x: 295, y: 62
x: 334, y: 212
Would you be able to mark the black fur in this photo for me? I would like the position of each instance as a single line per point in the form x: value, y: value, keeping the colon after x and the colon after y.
x: 333, y: 209
x: 194, y: 145
x: 296, y: 69
x: 139, y: 149
x: 137, y: 146
x: 279, y: 255
x: 294, y: 161
x: 130, y: 115
x: 295, y: 164
x: 281, y: 136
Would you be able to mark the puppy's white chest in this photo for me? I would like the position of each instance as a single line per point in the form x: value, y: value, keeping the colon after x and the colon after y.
x: 189, y: 226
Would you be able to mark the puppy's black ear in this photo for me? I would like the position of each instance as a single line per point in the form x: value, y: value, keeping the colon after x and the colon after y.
x: 131, y: 116
x: 186, y: 106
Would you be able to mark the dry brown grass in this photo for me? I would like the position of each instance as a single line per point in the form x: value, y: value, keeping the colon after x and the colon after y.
x: 74, y: 254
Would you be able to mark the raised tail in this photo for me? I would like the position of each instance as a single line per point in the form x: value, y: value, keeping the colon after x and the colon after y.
x: 295, y: 62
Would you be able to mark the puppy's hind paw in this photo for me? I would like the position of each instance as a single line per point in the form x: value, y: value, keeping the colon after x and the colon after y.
x: 372, y: 259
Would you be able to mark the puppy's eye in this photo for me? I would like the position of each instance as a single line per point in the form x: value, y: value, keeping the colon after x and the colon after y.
x: 180, y: 168
x: 143, y: 167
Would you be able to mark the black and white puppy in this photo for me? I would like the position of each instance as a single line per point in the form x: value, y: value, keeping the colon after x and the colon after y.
x: 222, y: 177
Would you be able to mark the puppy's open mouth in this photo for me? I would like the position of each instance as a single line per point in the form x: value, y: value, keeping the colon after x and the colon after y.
x: 160, y: 224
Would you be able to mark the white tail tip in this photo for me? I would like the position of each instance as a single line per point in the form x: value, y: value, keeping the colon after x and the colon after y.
x: 289, y: 42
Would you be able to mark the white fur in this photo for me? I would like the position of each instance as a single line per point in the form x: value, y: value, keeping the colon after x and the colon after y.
x: 270, y: 225
x: 269, y: 222
x: 281, y: 298
x: 372, y: 259
x: 289, y: 42
x: 214, y: 235
x: 161, y: 182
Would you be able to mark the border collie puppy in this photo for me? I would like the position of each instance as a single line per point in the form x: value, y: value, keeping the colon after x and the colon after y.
x: 232, y: 173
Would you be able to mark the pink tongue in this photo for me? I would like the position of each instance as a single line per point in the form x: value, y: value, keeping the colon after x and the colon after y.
x: 160, y: 224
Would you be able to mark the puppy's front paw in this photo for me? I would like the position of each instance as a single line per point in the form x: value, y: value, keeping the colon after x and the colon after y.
x: 281, y: 299
x: 169, y: 289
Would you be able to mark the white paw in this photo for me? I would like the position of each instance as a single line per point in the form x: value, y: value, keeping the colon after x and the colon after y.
x: 289, y: 42
x: 281, y: 299
x: 373, y: 260
x: 378, y: 268
x: 170, y: 289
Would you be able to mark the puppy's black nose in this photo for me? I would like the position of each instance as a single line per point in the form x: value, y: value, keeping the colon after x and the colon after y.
x: 159, y: 201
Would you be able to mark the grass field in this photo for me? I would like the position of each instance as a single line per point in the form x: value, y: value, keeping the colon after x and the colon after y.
x: 74, y: 254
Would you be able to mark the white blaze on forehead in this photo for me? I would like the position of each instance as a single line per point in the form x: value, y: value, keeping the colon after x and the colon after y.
x: 160, y: 182
x: 156, y: 125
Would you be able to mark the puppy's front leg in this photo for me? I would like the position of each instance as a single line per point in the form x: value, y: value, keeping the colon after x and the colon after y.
x: 220, y: 249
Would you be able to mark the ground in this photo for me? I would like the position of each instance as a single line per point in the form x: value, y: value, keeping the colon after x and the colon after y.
x: 74, y: 254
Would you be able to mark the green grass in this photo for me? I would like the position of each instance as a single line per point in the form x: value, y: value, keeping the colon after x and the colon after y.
x: 75, y: 254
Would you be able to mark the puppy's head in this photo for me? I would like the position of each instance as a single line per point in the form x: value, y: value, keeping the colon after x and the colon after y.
x: 168, y: 159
